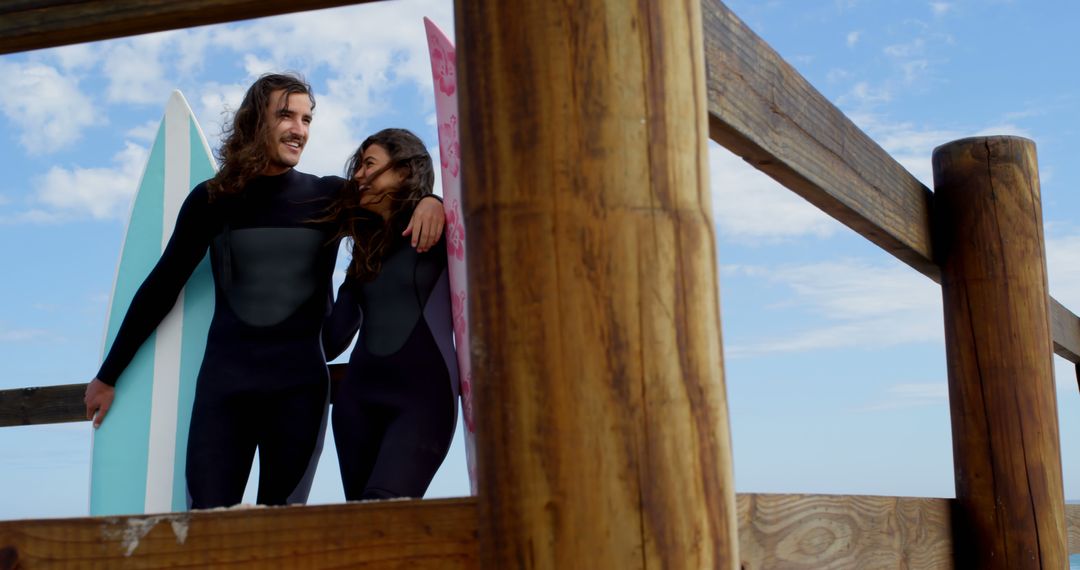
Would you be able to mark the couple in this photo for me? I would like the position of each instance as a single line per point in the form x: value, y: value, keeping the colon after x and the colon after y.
x: 273, y: 236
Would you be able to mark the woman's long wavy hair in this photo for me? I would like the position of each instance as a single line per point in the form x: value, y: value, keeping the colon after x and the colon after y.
x: 243, y: 153
x: 372, y: 237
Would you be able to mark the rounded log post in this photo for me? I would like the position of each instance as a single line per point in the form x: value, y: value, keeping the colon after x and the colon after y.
x: 602, y: 424
x: 1006, y: 448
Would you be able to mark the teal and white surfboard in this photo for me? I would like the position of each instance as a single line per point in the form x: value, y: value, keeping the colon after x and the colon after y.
x: 139, y: 451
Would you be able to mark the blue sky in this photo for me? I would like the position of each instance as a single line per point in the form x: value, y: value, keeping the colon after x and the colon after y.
x: 834, y: 350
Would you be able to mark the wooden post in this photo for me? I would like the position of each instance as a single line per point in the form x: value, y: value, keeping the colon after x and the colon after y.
x: 603, y: 438
x: 1006, y: 449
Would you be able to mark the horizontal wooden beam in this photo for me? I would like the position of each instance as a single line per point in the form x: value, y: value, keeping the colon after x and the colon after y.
x: 437, y: 534
x: 1065, y: 329
x: 844, y: 531
x: 36, y: 24
x: 62, y: 404
x: 763, y: 110
x: 44, y: 405
x: 775, y: 531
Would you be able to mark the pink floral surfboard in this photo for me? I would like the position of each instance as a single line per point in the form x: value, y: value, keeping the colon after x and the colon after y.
x: 444, y: 73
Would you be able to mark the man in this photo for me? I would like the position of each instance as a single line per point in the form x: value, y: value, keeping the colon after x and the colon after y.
x: 263, y: 382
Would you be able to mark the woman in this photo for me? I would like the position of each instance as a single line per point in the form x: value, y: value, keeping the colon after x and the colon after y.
x: 394, y: 413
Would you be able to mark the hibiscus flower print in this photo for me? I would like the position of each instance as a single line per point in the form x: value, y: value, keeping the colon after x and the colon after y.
x: 442, y: 62
x: 449, y: 147
x: 455, y: 232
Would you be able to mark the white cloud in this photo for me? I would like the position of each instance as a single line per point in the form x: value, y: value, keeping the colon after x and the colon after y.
x: 913, y: 146
x: 750, y: 206
x: 853, y: 38
x: 47, y: 105
x: 836, y: 75
x: 145, y: 132
x: 1063, y: 269
x: 136, y: 71
x: 99, y: 193
x: 21, y: 335
x: 863, y: 305
x: 916, y: 395
x: 913, y: 70
x: 331, y: 139
x: 905, y: 50
x: 864, y: 94
x: 940, y: 8
x: 76, y: 56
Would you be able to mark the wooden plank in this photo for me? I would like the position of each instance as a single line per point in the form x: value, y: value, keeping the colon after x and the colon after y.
x: 435, y: 534
x: 36, y: 24
x: 821, y: 532
x: 1006, y: 447
x: 763, y: 110
x: 60, y: 404
x: 603, y: 431
x: 1066, y: 331
x: 44, y: 405
x: 795, y: 532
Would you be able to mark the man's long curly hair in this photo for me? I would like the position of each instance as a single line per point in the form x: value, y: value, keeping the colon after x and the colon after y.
x: 371, y: 236
x: 244, y: 152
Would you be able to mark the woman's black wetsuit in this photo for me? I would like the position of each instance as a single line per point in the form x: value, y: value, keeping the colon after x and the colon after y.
x: 263, y: 381
x: 394, y: 414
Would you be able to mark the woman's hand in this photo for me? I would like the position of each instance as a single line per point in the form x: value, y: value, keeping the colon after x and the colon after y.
x: 98, y: 399
x: 426, y: 225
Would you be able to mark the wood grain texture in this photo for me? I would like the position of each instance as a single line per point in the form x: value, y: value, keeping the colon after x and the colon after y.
x: 822, y: 532
x: 439, y: 534
x: 766, y: 112
x: 1065, y: 331
x: 763, y: 110
x: 1006, y: 447
x: 792, y: 532
x: 35, y: 24
x: 602, y: 428
x: 43, y: 405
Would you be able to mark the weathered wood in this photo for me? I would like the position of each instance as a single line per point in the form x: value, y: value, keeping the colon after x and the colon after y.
x: 35, y: 24
x: 437, y: 534
x: 763, y: 110
x: 1065, y: 331
x: 60, y: 404
x: 603, y: 437
x: 820, y: 532
x: 795, y: 532
x: 1006, y: 448
x: 766, y: 112
x: 44, y: 405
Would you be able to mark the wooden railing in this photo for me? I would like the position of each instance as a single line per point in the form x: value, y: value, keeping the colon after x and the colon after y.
x: 760, y: 108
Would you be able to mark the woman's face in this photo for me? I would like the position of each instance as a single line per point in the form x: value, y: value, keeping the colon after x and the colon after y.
x: 373, y: 190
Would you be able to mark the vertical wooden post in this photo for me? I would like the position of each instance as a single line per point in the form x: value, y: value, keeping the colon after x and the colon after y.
x: 1006, y: 448
x: 603, y: 438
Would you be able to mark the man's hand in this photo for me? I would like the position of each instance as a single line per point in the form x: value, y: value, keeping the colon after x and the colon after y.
x: 426, y: 225
x: 98, y: 399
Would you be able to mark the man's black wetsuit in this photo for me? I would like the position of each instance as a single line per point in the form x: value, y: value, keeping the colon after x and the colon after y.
x: 263, y: 381
x: 394, y: 414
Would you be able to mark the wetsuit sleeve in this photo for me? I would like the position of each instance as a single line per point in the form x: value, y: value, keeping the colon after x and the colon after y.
x: 158, y: 292
x: 343, y: 322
